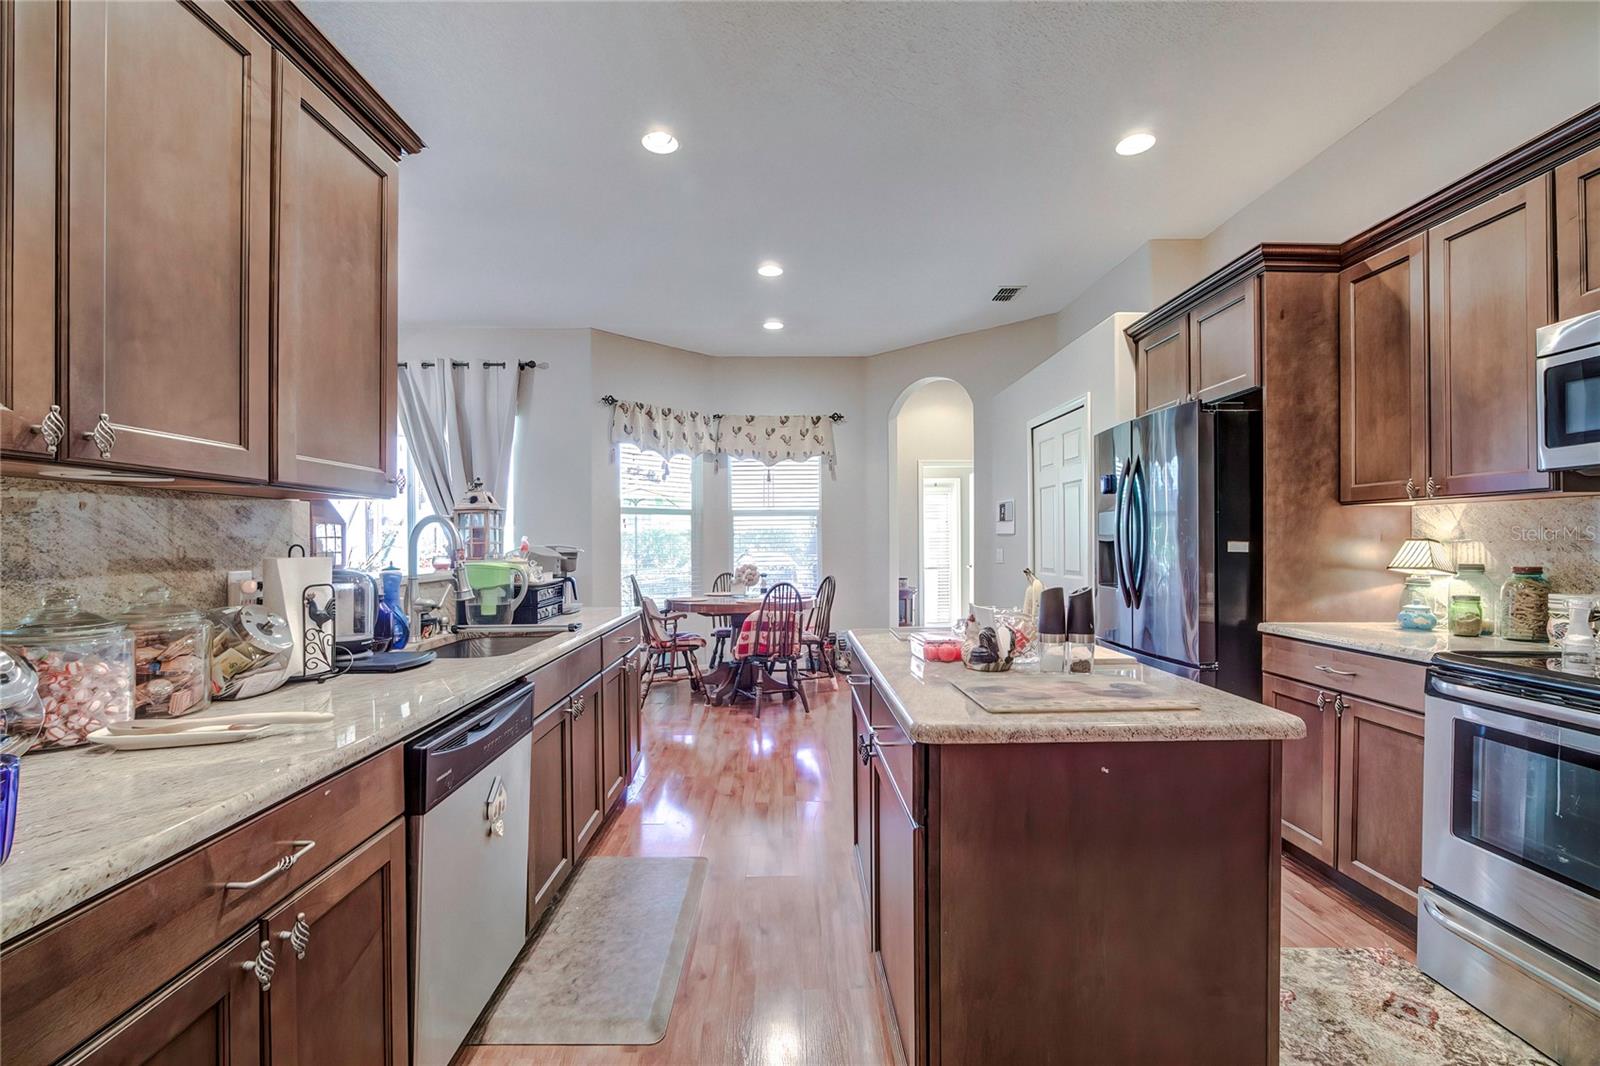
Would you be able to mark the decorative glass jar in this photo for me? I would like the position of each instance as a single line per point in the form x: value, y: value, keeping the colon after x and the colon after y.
x: 1471, y: 579
x: 85, y: 668
x: 1524, y: 605
x: 1466, y: 615
x: 480, y: 522
x: 1417, y: 610
x: 171, y: 656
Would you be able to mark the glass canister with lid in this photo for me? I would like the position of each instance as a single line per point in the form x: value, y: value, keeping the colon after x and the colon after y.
x: 1472, y: 579
x: 171, y: 656
x: 1524, y: 607
x: 85, y: 668
x: 21, y: 720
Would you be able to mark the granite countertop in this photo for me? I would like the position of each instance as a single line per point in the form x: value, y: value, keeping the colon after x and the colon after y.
x: 1386, y: 638
x: 933, y: 711
x: 90, y: 818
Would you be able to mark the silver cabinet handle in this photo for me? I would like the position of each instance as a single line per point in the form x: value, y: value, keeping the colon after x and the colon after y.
x: 1432, y: 488
x: 298, y: 935
x: 281, y: 866
x: 1339, y: 705
x: 575, y: 706
x: 264, y: 965
x: 53, y: 428
x: 1411, y: 488
x: 625, y: 641
x: 864, y: 749
x: 1322, y: 700
x: 1336, y: 673
x: 857, y: 680
x: 104, y: 437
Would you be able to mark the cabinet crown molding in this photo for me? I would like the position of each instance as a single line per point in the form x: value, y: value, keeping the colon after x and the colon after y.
x: 1292, y: 258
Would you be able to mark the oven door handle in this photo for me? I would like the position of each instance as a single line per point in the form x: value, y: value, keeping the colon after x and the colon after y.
x: 1489, y: 947
x: 1517, y: 704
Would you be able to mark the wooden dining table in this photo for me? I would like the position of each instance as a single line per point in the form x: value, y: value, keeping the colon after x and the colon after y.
x: 724, y: 681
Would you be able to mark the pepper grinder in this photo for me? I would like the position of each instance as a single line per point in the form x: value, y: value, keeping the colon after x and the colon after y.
x: 1052, y: 630
x: 1080, y: 631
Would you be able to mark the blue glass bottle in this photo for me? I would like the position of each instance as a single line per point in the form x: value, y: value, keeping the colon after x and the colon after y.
x: 390, y: 580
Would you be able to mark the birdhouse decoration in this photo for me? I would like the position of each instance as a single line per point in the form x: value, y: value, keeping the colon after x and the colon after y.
x: 480, y: 522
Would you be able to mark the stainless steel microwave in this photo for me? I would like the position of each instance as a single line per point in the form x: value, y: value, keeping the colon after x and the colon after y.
x: 1567, y: 365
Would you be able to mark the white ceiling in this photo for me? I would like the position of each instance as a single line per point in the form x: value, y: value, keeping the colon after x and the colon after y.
x: 900, y: 160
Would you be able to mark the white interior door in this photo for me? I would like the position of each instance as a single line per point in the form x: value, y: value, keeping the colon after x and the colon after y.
x: 943, y: 548
x: 1060, y: 457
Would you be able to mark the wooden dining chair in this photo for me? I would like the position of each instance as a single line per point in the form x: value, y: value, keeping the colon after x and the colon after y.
x: 665, y: 645
x: 722, y: 624
x: 775, y: 643
x: 818, y: 637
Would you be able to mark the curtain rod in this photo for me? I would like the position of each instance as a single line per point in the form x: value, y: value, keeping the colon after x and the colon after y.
x: 458, y: 364
x: 611, y: 401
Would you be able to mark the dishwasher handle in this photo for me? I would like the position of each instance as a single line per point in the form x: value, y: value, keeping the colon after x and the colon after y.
x: 447, y: 758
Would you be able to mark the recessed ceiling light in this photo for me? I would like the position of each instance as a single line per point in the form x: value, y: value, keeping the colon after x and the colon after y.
x: 1134, y: 143
x: 772, y: 324
x: 660, y: 142
x: 769, y: 269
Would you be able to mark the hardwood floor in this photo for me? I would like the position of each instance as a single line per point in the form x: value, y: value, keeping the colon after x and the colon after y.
x: 778, y: 970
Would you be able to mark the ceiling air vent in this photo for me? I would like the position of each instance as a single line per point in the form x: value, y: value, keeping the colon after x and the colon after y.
x: 1006, y: 293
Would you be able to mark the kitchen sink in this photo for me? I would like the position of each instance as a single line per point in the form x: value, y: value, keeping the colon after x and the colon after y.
x: 489, y: 647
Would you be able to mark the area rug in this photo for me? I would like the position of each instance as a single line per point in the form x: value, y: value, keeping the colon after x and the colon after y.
x: 606, y: 968
x: 1368, y: 1005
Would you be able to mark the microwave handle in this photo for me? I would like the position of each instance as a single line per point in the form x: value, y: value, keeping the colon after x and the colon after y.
x: 1518, y: 705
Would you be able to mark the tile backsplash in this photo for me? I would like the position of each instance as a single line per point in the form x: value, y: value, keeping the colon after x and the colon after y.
x: 106, y: 543
x: 1562, y: 534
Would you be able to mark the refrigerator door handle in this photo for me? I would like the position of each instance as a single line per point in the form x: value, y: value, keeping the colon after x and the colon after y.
x: 1119, y: 539
x: 1138, y: 546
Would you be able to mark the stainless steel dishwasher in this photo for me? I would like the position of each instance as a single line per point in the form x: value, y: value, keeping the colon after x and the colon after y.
x: 468, y: 784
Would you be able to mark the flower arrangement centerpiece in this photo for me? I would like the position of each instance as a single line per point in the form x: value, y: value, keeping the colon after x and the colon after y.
x: 745, y: 576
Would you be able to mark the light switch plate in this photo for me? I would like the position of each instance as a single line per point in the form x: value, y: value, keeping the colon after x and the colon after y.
x: 999, y: 555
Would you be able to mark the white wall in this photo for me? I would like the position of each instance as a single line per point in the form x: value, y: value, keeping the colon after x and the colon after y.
x: 1096, y: 367
x: 935, y: 424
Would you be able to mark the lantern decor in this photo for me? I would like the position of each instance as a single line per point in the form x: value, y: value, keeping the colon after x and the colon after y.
x: 480, y: 521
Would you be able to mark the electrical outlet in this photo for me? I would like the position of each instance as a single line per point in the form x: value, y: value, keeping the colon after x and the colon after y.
x: 999, y: 555
x: 236, y: 594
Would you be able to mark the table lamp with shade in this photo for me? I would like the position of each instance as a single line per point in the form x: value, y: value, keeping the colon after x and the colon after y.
x: 1421, y: 559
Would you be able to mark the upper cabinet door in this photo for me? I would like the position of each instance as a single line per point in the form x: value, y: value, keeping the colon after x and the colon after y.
x: 1578, y: 235
x: 169, y: 224
x: 1383, y: 375
x: 1163, y: 365
x: 1488, y: 291
x: 337, y: 294
x: 28, y: 56
x: 1224, y: 343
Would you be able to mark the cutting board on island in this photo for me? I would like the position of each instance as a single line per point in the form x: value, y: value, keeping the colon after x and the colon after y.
x: 1067, y: 693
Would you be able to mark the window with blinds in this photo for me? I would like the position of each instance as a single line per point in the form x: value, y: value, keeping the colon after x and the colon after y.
x: 775, y: 519
x: 656, y: 499
x: 941, y: 549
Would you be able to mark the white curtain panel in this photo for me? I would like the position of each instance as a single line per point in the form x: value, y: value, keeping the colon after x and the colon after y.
x: 427, y: 411
x: 666, y: 431
x: 771, y: 439
x: 486, y: 420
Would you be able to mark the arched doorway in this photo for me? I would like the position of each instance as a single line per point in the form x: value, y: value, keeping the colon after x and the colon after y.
x: 931, y: 498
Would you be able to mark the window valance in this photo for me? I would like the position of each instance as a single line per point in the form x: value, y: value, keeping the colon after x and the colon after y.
x: 768, y: 439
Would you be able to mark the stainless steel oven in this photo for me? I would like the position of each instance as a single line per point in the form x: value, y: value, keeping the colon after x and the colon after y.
x: 1510, y: 910
x: 1567, y: 366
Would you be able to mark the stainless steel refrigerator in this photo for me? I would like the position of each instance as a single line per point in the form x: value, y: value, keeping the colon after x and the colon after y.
x: 1178, y: 543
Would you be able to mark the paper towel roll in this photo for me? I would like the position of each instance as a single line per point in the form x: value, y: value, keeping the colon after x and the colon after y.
x: 285, y: 580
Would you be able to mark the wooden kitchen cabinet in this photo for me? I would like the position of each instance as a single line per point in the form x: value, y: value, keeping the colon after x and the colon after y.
x: 1162, y: 365
x: 1577, y: 228
x: 169, y: 226
x: 1383, y: 375
x: 613, y: 716
x: 1310, y: 765
x: 31, y: 422
x: 211, y: 1016
x: 1380, y: 799
x: 587, y: 785
x: 1225, y: 343
x: 551, y: 855
x: 339, y: 991
x: 1488, y: 292
x: 861, y: 795
x: 338, y: 281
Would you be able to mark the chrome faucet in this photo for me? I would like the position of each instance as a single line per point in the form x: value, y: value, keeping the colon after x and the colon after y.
x: 463, y: 589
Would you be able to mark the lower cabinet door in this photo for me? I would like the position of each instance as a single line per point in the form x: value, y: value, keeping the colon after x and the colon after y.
x: 210, y: 1015
x: 588, y: 787
x: 338, y: 995
x: 899, y: 892
x: 613, y: 744
x: 1310, y: 765
x: 1380, y: 799
x: 550, y: 851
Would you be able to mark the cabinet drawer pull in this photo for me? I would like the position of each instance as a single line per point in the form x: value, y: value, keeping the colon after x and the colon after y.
x: 53, y: 428
x: 1336, y: 673
x: 1411, y: 488
x: 1338, y: 705
x: 264, y: 965
x: 1432, y: 488
x: 864, y: 749
x: 857, y: 680
x: 281, y: 866
x: 104, y: 437
x: 575, y: 706
x: 625, y: 640
x: 1322, y: 700
x: 298, y: 935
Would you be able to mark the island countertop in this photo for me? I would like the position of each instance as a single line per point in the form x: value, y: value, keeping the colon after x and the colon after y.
x: 933, y: 711
x: 89, y: 818
x: 1388, y: 639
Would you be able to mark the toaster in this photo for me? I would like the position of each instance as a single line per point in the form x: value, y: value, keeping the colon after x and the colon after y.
x: 355, y: 598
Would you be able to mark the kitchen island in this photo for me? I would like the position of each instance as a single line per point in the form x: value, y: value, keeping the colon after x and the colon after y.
x: 1077, y: 886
